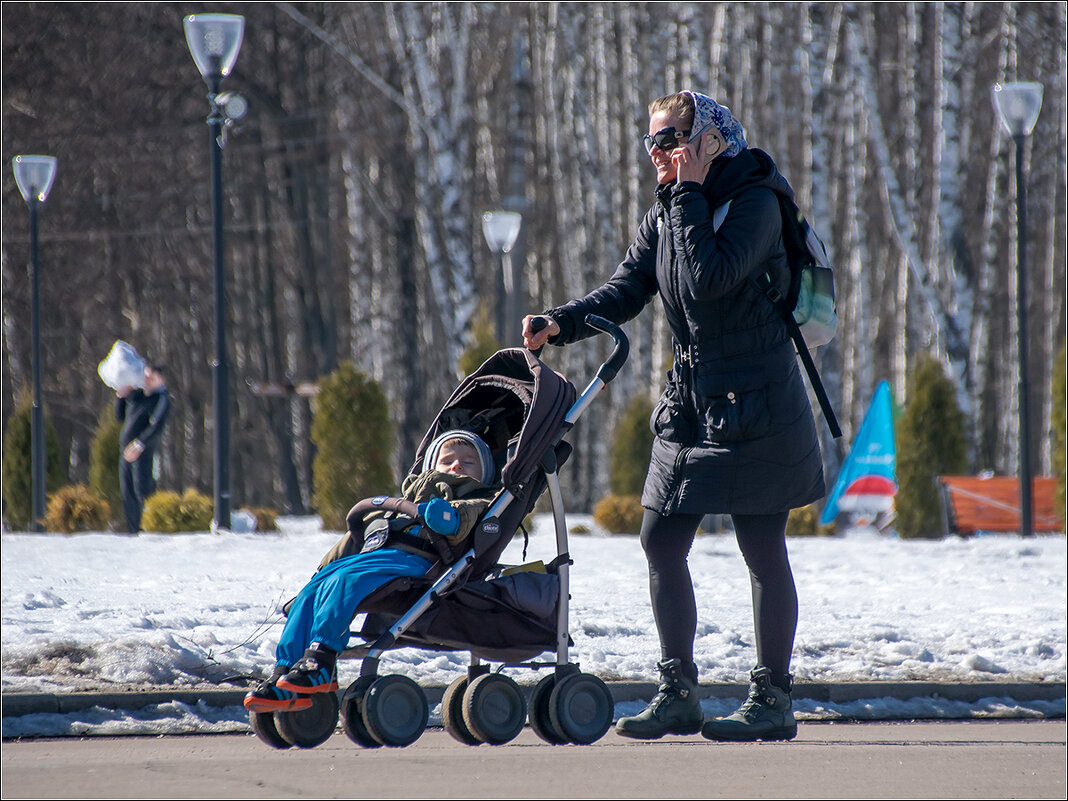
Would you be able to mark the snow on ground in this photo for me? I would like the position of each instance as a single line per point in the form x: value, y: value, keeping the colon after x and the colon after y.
x: 113, y: 612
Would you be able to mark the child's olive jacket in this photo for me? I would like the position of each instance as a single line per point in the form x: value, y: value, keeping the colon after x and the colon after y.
x: 468, y: 496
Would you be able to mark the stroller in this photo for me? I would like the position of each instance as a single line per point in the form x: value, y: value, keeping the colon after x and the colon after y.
x: 468, y: 601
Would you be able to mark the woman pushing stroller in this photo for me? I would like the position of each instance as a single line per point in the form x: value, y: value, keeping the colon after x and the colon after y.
x: 452, y: 491
x: 734, y: 430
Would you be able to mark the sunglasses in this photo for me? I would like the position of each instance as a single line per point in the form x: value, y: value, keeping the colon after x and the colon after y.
x: 666, y: 139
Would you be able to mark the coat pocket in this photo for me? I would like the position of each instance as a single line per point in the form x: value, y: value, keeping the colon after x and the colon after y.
x: 736, y: 416
x: 667, y: 420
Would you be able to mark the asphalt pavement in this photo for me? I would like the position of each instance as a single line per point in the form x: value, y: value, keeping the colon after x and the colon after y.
x: 960, y: 759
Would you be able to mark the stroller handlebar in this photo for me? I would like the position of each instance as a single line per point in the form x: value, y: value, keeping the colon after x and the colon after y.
x: 620, y: 352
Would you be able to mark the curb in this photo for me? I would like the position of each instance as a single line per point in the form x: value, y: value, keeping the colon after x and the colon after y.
x: 18, y: 704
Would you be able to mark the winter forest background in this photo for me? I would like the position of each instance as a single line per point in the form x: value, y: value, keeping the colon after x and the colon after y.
x: 379, y: 133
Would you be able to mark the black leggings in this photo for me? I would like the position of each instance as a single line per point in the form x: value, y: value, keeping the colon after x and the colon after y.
x: 762, y: 540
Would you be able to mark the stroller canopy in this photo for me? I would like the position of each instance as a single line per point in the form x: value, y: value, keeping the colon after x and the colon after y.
x: 516, y: 404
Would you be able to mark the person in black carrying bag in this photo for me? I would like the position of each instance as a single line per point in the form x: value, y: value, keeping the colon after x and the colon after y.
x: 143, y: 413
x: 734, y: 430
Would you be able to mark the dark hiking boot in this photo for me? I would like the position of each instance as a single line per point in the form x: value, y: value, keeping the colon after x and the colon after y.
x: 268, y: 698
x: 676, y: 708
x: 316, y: 672
x: 766, y: 715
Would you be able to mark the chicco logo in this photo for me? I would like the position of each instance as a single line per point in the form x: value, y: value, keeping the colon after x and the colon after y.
x: 491, y: 527
x: 378, y: 500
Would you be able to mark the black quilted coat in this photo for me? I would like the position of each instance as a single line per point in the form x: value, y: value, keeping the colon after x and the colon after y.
x: 734, y: 429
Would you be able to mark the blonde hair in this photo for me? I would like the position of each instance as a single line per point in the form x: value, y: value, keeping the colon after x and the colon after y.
x: 679, y: 104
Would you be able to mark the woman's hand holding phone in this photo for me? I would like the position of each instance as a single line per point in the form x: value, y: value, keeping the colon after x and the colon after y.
x: 693, y: 159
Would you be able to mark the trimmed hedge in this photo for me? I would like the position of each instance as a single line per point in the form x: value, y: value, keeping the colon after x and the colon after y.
x: 76, y: 508
x: 266, y: 518
x: 169, y: 513
x: 619, y: 514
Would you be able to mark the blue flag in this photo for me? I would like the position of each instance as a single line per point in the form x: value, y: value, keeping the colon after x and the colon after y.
x: 866, y: 481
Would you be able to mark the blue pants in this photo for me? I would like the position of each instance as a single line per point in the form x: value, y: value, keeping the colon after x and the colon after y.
x: 323, y: 610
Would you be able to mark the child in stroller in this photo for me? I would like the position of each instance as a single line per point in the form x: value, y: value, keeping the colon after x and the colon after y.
x: 466, y: 600
x: 451, y: 493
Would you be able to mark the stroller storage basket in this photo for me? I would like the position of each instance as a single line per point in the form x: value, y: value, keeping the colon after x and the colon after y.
x: 505, y: 619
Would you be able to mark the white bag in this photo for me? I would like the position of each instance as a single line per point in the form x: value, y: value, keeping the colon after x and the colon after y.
x: 122, y: 367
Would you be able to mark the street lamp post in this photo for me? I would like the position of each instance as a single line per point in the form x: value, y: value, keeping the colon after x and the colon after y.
x: 501, y: 229
x: 214, y: 41
x: 1018, y: 105
x: 34, y: 176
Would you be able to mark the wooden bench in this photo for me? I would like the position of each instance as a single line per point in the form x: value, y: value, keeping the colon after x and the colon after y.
x: 973, y: 503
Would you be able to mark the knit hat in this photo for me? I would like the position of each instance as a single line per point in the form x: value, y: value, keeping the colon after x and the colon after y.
x: 485, y: 457
x: 706, y: 113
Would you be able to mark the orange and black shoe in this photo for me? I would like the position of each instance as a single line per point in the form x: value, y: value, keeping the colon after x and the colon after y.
x: 315, y: 673
x: 267, y: 697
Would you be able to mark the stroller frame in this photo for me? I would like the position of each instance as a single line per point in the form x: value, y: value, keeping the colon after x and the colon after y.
x: 567, y: 706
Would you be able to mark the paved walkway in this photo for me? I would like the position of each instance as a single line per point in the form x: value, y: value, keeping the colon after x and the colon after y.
x: 1013, y: 759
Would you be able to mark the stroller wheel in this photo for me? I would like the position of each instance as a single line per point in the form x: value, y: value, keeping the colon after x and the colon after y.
x: 581, y: 708
x: 352, y: 713
x: 494, y: 709
x: 395, y: 710
x: 538, y: 712
x: 262, y: 724
x: 309, y: 727
x: 452, y: 712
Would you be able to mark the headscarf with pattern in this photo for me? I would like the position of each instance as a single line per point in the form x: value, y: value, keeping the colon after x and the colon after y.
x: 706, y: 113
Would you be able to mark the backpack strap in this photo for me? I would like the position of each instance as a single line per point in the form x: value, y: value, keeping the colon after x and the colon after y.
x: 769, y: 291
x: 776, y: 298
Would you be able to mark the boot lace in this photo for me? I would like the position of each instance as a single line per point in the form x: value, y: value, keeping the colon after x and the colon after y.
x: 753, y: 705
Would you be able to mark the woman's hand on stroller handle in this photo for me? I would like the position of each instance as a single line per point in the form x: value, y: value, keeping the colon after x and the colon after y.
x: 537, y: 330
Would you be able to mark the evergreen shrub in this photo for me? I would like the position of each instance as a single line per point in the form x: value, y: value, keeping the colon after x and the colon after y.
x: 266, y: 518
x: 17, y: 466
x: 169, y: 513
x: 631, y: 448
x: 76, y: 508
x: 1058, y: 387
x: 803, y: 522
x: 104, y: 462
x: 930, y: 442
x: 619, y: 514
x: 483, y: 343
x: 353, y: 436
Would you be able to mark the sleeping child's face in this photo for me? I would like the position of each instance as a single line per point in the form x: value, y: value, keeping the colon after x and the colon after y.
x: 459, y: 458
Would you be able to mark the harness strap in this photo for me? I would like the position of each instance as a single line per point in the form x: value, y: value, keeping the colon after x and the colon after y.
x: 410, y: 541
